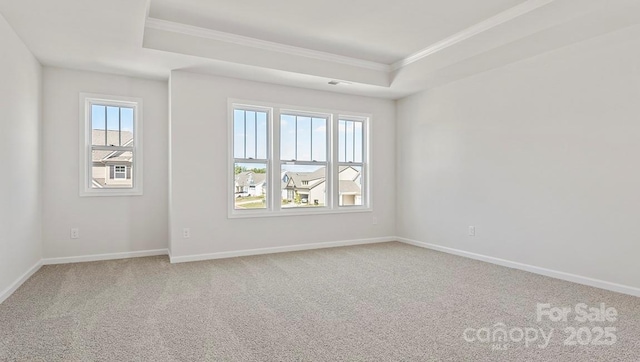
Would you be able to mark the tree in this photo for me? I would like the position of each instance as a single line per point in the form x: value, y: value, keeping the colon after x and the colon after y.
x: 239, y: 169
x: 297, y: 199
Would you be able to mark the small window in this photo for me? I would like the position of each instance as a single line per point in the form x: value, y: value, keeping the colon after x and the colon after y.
x: 120, y: 172
x: 111, y: 146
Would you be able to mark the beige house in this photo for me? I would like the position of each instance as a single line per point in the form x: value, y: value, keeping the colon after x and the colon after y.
x: 112, y: 169
x: 250, y: 183
x: 311, y: 186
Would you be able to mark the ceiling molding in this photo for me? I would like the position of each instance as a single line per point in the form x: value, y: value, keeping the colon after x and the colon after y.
x: 490, y: 23
x: 159, y: 24
x: 473, y: 30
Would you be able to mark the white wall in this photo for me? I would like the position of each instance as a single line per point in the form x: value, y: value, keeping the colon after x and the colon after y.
x: 542, y: 156
x: 107, y: 224
x: 199, y: 151
x: 20, y: 127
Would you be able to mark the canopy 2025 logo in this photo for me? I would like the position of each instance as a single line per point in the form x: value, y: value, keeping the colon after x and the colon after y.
x: 501, y: 337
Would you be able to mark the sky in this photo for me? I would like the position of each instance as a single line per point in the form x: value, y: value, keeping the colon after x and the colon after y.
x: 117, y: 118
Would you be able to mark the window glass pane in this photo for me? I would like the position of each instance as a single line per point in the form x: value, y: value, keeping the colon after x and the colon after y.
x: 111, y: 169
x: 126, y: 123
x: 98, y: 125
x: 350, y: 186
x: 319, y: 146
x: 113, y: 119
x: 261, y: 151
x: 287, y: 137
x: 250, y: 186
x: 238, y: 134
x: 303, y: 142
x: 250, y: 134
x: 303, y: 186
x: 357, y: 157
x: 349, y: 141
x: 341, y: 141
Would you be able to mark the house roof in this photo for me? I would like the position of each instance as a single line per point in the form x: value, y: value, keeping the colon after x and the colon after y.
x: 248, y: 178
x: 317, y: 177
x: 349, y: 187
x: 312, y: 178
x: 114, y: 138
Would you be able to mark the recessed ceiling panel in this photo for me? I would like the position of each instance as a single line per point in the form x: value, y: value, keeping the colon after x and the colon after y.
x: 376, y: 30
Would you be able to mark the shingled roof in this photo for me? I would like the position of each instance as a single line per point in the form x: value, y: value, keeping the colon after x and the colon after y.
x: 113, y: 138
x: 249, y: 178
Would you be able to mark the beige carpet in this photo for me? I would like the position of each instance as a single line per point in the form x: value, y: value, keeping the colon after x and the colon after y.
x: 383, y: 302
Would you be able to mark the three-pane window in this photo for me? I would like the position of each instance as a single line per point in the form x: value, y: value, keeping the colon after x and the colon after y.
x: 290, y: 159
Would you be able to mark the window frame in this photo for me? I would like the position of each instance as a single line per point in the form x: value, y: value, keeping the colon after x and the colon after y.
x: 363, y: 164
x: 87, y: 100
x: 246, y: 160
x: 295, y: 112
x: 274, y: 163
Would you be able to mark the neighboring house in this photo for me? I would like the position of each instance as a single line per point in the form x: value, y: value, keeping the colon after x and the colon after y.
x: 250, y: 183
x: 311, y: 186
x: 112, y: 169
x: 305, y: 184
x: 350, y: 186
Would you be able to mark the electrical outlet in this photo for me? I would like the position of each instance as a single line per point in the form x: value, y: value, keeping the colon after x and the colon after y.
x: 472, y: 231
x: 375, y: 220
x: 186, y: 233
x: 75, y: 233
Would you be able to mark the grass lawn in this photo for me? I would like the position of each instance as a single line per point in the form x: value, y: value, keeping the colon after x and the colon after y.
x: 249, y: 198
x: 251, y: 205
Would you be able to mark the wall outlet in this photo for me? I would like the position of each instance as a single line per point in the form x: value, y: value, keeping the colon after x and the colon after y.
x: 472, y: 231
x: 374, y: 220
x: 186, y: 233
x: 75, y: 233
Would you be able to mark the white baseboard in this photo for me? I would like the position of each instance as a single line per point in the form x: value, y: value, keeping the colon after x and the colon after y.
x: 98, y: 257
x: 625, y: 289
x: 278, y: 249
x: 13, y: 287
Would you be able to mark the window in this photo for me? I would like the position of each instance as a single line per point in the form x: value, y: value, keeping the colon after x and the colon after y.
x: 303, y: 155
x: 120, y: 172
x: 291, y: 161
x: 111, y: 150
x: 350, y: 161
x: 250, y: 128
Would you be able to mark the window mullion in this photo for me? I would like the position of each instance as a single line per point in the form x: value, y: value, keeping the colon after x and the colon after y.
x: 274, y: 156
x: 106, y: 138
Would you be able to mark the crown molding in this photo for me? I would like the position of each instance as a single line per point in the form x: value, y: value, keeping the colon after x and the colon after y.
x: 471, y: 31
x: 170, y: 26
x: 492, y: 22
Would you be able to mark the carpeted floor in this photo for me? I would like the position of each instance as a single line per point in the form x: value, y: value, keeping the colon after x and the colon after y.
x: 381, y: 302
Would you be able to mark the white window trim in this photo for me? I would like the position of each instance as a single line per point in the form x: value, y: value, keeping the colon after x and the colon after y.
x: 274, y: 164
x: 85, y: 177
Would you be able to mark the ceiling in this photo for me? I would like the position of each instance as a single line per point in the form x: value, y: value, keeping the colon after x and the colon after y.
x: 363, y: 29
x: 380, y: 48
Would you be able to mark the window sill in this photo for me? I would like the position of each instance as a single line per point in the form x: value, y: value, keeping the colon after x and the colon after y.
x: 110, y: 192
x: 248, y: 214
